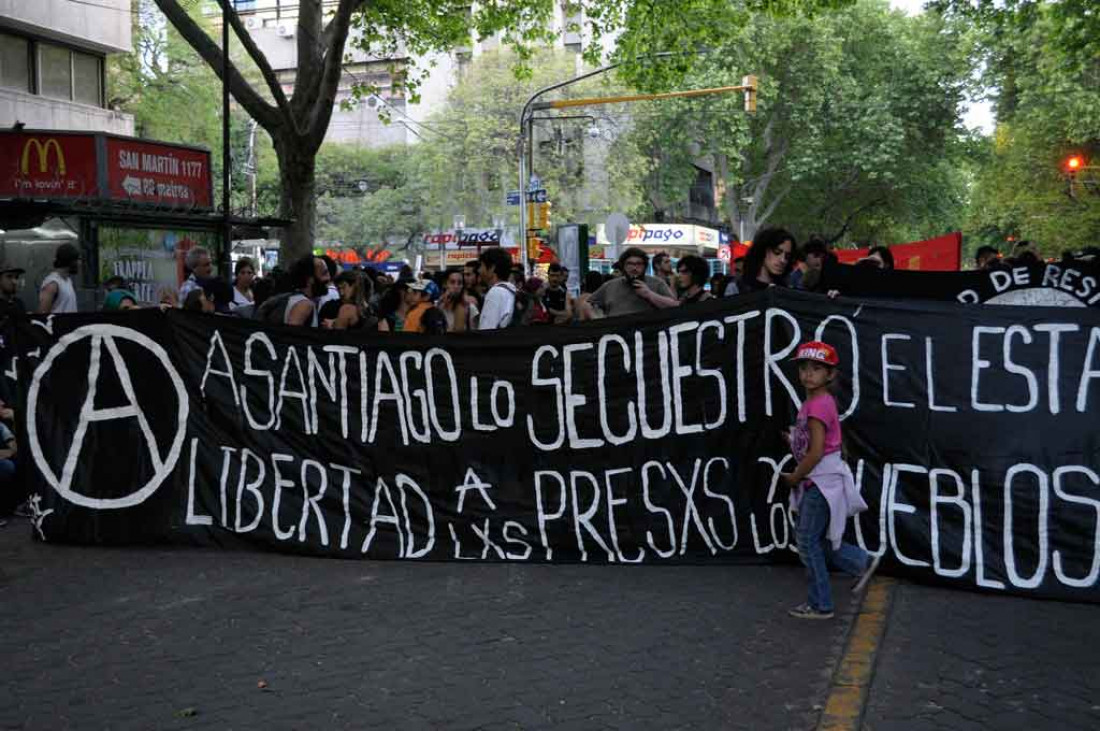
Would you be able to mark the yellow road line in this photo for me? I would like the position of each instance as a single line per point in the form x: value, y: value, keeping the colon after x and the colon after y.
x: 852, y: 679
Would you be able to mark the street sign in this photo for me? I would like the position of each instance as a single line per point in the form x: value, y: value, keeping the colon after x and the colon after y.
x: 93, y: 166
x: 534, y: 183
x: 532, y: 196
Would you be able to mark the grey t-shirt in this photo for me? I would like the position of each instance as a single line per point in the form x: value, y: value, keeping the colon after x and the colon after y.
x: 617, y: 297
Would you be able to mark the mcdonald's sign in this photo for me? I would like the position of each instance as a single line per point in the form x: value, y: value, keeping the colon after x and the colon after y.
x: 48, y: 165
x: 42, y: 152
x: 56, y: 164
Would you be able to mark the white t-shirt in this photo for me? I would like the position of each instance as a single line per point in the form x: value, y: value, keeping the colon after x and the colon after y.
x: 65, y: 300
x: 189, y: 284
x: 292, y: 302
x: 500, y: 302
x: 239, y: 300
x: 332, y: 295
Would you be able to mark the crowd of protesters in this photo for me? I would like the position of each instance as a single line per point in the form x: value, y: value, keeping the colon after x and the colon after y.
x: 488, y: 293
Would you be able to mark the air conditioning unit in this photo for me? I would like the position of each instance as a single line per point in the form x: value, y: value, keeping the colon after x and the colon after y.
x: 253, y: 22
x: 285, y: 30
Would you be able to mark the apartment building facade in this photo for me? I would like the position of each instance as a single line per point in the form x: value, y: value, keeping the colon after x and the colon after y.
x: 53, y: 56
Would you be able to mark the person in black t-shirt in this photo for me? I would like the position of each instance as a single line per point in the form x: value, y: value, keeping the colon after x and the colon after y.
x: 556, y: 297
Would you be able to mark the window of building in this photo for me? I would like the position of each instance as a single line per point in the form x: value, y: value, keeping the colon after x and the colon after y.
x: 87, y: 79
x: 55, y: 71
x: 67, y: 74
x: 15, y: 67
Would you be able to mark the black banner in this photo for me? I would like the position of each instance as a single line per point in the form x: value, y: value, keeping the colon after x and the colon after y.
x: 653, y: 438
x: 1063, y: 284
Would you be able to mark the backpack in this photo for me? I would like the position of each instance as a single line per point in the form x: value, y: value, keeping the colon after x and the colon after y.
x: 273, y: 309
x: 525, y: 309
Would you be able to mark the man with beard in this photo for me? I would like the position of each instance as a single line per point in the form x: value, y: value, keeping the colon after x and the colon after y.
x: 305, y: 284
x: 471, y: 280
x: 662, y: 269
x: 57, y: 294
x: 634, y: 291
x: 326, y: 275
x: 556, y: 297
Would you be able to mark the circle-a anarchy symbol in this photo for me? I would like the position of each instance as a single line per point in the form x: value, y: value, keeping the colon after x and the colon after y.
x: 104, y: 336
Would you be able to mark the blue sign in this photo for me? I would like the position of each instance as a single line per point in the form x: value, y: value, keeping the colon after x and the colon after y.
x: 532, y: 196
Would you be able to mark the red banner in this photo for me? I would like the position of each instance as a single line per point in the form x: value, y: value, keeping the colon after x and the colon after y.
x: 68, y: 165
x: 149, y: 172
x: 941, y: 254
x: 48, y: 165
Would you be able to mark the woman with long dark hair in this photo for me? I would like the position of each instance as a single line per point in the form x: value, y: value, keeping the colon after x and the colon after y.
x: 355, y: 312
x: 459, y: 309
x: 768, y: 262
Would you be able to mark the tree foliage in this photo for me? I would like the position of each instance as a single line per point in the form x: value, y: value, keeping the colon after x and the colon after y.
x: 175, y: 96
x: 469, y: 156
x: 856, y: 132
x: 1042, y: 69
x: 465, y: 162
x: 417, y: 29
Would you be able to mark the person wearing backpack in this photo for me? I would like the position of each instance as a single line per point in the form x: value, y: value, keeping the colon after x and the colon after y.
x: 295, y: 307
x: 500, y: 294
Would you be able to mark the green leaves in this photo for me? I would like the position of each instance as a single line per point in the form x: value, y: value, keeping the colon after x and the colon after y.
x: 1043, y: 69
x: 855, y: 127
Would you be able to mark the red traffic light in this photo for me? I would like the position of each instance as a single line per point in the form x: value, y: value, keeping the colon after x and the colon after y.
x: 1073, y: 164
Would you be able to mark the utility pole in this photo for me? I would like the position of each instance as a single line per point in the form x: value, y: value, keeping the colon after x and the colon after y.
x: 227, y: 233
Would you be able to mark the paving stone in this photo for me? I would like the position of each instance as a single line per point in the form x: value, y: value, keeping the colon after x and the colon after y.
x: 982, y: 661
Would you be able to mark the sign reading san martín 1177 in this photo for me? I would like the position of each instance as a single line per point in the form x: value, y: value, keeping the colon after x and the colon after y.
x: 90, y: 167
x: 648, y: 439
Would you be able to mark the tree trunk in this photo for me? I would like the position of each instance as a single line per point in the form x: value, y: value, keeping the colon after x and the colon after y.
x: 297, y: 201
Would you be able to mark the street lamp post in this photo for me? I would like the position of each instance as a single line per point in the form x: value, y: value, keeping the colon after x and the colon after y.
x: 524, y: 142
x: 748, y: 86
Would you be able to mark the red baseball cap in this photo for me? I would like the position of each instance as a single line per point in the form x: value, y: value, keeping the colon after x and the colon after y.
x: 818, y: 351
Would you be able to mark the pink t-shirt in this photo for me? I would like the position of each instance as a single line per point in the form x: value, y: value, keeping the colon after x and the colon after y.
x: 822, y: 408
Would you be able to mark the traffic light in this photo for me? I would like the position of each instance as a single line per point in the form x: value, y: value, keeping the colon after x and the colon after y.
x: 750, y: 93
x: 533, y: 248
x: 1073, y: 164
x: 532, y: 216
x: 544, y: 216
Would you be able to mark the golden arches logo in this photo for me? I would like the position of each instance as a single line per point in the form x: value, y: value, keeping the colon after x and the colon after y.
x: 43, y: 152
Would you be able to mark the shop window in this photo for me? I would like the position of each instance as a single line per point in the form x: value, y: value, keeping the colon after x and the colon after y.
x: 15, y: 68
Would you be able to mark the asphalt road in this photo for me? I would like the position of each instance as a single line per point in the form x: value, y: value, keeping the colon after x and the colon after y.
x: 152, y: 638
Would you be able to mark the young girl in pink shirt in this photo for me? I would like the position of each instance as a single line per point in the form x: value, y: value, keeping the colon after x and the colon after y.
x: 823, y: 491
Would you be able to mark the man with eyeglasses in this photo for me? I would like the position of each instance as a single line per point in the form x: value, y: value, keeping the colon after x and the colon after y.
x: 633, y: 292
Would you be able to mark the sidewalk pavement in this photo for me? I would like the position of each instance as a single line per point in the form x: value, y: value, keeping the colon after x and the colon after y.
x: 155, y: 638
